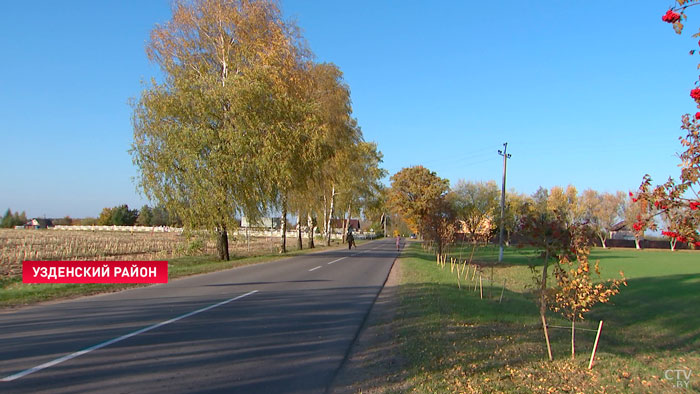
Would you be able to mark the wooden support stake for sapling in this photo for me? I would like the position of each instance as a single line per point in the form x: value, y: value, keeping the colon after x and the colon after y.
x: 481, y: 288
x: 502, y: 290
x: 573, y: 338
x: 595, y: 345
x: 474, y: 274
x: 546, y: 337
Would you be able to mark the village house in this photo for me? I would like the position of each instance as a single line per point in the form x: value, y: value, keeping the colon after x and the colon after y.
x: 354, y: 224
x: 38, y: 223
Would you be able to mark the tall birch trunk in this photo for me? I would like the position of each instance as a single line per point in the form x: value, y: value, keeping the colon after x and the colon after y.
x: 300, y: 245
x: 346, y: 225
x: 330, y: 216
x: 325, y: 214
x: 312, y: 229
x: 382, y: 221
x: 602, y: 241
x: 284, y: 224
x: 222, y: 243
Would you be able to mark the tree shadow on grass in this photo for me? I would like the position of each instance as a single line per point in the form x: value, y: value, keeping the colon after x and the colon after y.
x: 654, y: 314
x: 442, y: 327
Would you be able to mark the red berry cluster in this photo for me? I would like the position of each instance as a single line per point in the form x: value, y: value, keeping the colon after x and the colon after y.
x: 659, y: 205
x: 671, y: 17
x: 694, y: 205
x: 680, y: 238
x: 638, y: 226
x: 695, y: 94
x: 697, y: 115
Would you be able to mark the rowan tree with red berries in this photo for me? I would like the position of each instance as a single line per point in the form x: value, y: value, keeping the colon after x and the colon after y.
x: 679, y: 200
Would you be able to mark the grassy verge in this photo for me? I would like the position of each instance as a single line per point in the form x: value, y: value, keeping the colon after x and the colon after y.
x: 453, y: 341
x: 14, y: 293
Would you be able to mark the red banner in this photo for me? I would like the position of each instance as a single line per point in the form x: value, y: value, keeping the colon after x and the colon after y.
x: 95, y: 272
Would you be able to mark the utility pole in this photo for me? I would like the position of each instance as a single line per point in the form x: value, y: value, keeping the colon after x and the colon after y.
x: 506, y: 156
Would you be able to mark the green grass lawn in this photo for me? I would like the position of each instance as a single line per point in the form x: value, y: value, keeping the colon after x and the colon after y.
x: 453, y: 341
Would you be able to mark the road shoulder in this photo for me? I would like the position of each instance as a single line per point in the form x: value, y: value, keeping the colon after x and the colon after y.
x: 375, y: 364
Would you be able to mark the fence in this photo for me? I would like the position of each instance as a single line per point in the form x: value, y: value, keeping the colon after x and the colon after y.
x: 266, y: 232
x: 132, y: 229
x: 241, y: 232
x: 644, y: 244
x: 614, y: 243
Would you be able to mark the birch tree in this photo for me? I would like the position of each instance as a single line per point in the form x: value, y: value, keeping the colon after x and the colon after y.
x: 204, y: 136
x: 360, y: 179
x: 340, y: 135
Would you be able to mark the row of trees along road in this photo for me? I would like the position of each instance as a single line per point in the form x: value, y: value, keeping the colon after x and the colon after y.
x: 559, y: 223
x: 430, y: 207
x: 245, y: 122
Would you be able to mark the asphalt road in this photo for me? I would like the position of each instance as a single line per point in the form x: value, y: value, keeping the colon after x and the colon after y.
x: 279, y: 327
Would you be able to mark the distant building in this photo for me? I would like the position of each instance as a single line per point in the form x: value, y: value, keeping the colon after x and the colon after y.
x: 483, y: 230
x: 354, y: 224
x: 267, y: 222
x: 621, y: 231
x: 39, y: 223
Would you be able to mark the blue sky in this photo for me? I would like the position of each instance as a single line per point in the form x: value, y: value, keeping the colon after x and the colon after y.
x: 588, y: 93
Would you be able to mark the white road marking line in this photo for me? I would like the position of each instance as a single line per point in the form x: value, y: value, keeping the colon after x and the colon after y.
x: 335, y: 261
x: 315, y: 268
x: 115, y: 340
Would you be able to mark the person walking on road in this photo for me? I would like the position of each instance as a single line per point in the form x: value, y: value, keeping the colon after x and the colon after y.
x: 351, y: 241
x: 398, y: 242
